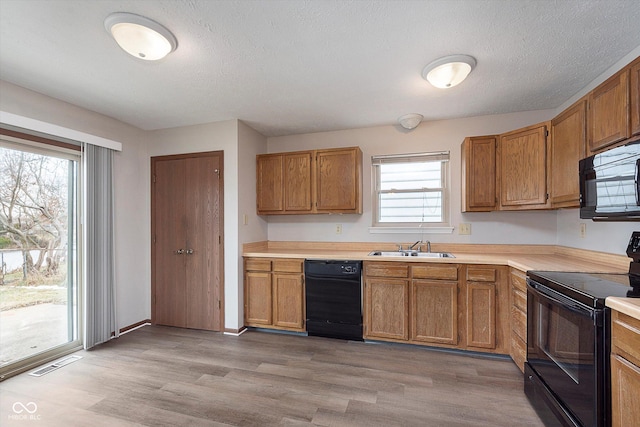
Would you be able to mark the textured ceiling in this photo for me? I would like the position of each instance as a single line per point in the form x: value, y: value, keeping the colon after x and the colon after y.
x: 288, y: 67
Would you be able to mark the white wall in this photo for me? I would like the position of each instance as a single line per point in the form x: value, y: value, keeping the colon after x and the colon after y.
x: 213, y: 137
x: 131, y: 167
x: 609, y: 237
x: 495, y: 227
x: 250, y: 143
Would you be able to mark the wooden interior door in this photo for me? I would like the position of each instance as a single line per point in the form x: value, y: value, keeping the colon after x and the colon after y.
x: 187, y: 272
x: 168, y: 262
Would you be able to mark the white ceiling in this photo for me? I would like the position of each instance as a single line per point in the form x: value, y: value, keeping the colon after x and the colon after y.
x: 297, y: 66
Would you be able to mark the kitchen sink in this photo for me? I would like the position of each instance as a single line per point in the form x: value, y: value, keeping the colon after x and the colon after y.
x: 412, y: 254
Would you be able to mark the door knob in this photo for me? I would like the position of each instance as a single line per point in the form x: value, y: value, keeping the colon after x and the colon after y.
x: 189, y: 251
x: 180, y: 251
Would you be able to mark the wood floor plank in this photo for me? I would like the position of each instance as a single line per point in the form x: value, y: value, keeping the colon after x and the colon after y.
x: 163, y: 376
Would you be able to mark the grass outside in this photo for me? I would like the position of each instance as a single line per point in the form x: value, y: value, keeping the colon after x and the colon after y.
x: 16, y: 292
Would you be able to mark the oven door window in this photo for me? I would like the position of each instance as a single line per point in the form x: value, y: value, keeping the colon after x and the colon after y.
x: 562, y: 350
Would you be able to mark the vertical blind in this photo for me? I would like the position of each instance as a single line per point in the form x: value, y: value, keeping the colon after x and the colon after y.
x: 99, y: 266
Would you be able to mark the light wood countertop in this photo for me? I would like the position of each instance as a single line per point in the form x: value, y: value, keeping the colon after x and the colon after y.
x: 628, y: 306
x: 521, y: 257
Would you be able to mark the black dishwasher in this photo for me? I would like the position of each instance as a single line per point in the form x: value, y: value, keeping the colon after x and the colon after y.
x: 333, y: 296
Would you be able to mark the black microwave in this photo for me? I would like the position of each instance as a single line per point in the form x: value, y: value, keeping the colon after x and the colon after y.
x: 609, y: 187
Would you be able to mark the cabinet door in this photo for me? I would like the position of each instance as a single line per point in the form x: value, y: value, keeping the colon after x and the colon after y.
x: 523, y: 169
x: 387, y: 308
x: 479, y: 170
x: 258, y: 303
x: 270, y: 183
x: 481, y: 315
x: 434, y: 311
x: 297, y: 182
x: 288, y: 301
x: 609, y: 112
x: 635, y: 97
x: 568, y: 145
x: 625, y: 392
x: 339, y: 180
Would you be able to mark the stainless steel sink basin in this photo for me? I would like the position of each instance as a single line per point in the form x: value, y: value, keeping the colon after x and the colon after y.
x: 412, y: 254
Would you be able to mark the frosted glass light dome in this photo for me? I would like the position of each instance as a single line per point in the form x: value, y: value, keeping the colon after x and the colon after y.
x: 140, y: 37
x: 449, y: 71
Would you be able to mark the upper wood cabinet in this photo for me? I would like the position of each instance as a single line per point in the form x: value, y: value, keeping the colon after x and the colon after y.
x: 298, y: 180
x: 634, y: 81
x: 339, y: 180
x: 305, y: 182
x: 523, y: 168
x: 567, y: 146
x: 270, y: 183
x: 479, y: 174
x: 609, y: 112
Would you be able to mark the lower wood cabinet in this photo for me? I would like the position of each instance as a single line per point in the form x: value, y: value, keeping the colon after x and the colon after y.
x: 446, y: 305
x: 386, y: 300
x: 387, y: 314
x: 274, y: 293
x: 434, y: 311
x: 625, y: 370
x: 518, y: 317
x: 481, y: 307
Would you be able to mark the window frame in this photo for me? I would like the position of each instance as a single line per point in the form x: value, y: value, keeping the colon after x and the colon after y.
x: 443, y: 226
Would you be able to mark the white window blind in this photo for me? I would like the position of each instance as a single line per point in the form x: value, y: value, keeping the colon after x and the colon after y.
x: 411, y: 190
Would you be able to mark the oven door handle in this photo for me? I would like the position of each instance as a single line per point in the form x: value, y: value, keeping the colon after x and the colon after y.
x: 558, y: 299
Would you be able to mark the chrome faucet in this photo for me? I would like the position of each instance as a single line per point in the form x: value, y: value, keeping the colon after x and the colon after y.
x: 415, y: 244
x: 428, y: 246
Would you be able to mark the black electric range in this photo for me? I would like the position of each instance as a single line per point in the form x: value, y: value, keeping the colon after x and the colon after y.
x: 568, y: 341
x: 590, y: 289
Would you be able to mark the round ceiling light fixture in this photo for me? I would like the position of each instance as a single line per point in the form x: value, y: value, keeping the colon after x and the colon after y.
x: 449, y: 71
x: 139, y: 36
x: 410, y: 121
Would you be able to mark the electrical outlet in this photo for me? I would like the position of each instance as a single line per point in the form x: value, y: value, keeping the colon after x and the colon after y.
x: 338, y: 228
x: 583, y: 230
x: 464, y: 229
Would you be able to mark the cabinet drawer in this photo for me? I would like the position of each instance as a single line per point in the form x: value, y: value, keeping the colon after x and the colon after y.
x: 519, y: 299
x: 518, y: 280
x: 439, y: 271
x: 481, y: 274
x: 519, y: 323
x: 625, y: 333
x: 518, y: 351
x: 257, y: 264
x: 287, y: 265
x: 390, y: 269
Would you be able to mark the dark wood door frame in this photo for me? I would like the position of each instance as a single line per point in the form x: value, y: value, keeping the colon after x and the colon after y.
x: 220, y: 237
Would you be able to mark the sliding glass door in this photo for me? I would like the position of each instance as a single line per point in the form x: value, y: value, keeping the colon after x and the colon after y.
x: 39, y: 292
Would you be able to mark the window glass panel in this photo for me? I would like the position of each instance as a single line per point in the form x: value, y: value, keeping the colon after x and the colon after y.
x: 410, y: 189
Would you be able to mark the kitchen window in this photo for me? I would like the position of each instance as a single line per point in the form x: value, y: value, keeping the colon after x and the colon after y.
x: 411, y: 192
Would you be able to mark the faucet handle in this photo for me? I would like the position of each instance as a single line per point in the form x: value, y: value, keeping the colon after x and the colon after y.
x: 399, y: 247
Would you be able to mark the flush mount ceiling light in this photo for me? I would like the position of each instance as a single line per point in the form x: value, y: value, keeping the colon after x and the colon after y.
x: 449, y: 71
x: 410, y: 121
x: 139, y: 36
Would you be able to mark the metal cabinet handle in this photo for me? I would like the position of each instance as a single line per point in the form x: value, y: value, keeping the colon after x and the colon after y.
x: 180, y: 251
x: 189, y: 251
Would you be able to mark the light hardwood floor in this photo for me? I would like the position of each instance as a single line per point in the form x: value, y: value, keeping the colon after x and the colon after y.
x: 161, y: 376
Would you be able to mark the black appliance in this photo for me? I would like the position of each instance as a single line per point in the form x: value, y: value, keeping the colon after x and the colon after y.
x: 609, y: 185
x: 568, y: 341
x: 333, y: 296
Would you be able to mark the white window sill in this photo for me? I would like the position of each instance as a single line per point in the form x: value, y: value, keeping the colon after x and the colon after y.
x: 410, y: 230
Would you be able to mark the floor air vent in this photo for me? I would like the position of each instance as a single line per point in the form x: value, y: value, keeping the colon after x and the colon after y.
x: 55, y: 365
